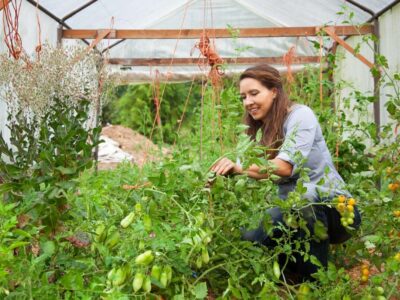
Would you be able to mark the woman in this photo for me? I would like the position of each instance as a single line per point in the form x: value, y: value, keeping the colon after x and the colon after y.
x: 294, y: 132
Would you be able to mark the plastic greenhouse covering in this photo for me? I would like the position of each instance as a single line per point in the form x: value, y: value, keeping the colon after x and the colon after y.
x: 199, y: 14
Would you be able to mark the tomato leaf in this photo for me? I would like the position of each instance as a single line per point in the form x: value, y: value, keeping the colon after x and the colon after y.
x: 200, y: 290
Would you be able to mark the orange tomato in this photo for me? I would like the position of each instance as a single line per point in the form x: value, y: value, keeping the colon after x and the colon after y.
x: 352, y: 201
x: 364, y: 267
x: 393, y: 186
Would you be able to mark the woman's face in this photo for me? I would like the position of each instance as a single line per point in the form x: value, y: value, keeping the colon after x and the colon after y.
x: 257, y: 99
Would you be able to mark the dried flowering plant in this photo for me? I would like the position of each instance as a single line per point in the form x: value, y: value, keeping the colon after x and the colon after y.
x: 50, y: 102
x: 65, y: 73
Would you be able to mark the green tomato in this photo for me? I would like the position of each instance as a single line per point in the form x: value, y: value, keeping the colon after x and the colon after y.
x: 164, y: 279
x: 304, y: 290
x: 137, y: 281
x: 379, y: 290
x: 168, y: 270
x: 277, y: 269
x: 204, y: 255
x: 155, y: 272
x: 147, y: 222
x: 147, y: 284
x: 119, y: 277
x: 127, y: 220
x: 145, y: 258
x: 199, y: 262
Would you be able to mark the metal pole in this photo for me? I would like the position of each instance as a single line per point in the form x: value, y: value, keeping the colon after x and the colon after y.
x: 58, y: 20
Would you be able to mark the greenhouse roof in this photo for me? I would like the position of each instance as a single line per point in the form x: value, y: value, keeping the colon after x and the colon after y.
x: 180, y: 15
x: 238, y: 13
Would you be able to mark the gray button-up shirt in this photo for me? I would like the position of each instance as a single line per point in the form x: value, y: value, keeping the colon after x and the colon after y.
x: 304, y: 146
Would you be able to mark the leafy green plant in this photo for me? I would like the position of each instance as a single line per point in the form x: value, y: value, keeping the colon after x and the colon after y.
x: 44, y: 159
x: 171, y: 230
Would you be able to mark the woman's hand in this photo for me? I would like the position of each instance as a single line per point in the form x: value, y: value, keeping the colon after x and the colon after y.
x: 225, y: 166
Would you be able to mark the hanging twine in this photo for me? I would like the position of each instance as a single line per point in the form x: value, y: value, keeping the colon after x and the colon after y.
x: 321, y: 42
x: 288, y: 61
x: 213, y: 59
x: 38, y: 48
x: 156, y: 96
x: 12, y: 37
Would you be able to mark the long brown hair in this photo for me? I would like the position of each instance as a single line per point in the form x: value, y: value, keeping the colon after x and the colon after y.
x: 272, y: 128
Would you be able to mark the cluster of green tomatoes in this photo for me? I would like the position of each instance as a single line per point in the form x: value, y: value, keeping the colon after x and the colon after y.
x: 142, y: 279
x: 345, y: 207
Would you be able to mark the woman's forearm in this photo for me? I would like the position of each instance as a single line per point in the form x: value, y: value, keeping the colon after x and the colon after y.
x: 282, y: 169
x: 256, y: 175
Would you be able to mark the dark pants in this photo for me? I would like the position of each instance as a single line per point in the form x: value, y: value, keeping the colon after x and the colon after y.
x: 330, y: 217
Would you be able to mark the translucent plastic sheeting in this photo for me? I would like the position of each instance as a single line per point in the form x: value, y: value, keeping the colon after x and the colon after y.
x: 376, y: 5
x: 142, y: 14
x: 175, y: 14
x: 28, y: 28
x: 60, y: 8
x: 197, y: 14
x: 259, y: 47
x: 180, y: 73
x: 244, y: 47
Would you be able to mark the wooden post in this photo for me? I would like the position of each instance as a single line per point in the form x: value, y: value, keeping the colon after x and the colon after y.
x: 218, y: 32
x: 97, y: 109
x: 377, y: 107
x: 331, y: 32
x: 332, y: 65
x: 101, y: 34
x: 59, y: 35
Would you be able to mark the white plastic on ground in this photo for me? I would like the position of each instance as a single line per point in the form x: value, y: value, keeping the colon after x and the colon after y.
x: 109, y: 152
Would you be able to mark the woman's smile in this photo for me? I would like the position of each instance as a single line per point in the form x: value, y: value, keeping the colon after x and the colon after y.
x: 257, y: 99
x: 253, y: 111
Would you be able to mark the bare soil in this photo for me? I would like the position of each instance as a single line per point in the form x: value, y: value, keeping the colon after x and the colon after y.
x: 140, y: 147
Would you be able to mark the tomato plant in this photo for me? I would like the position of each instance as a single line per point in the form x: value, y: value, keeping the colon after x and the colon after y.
x: 69, y: 233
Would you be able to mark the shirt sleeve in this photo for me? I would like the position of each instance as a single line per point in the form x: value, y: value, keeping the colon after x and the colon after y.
x: 300, y: 130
